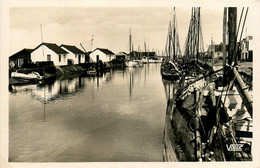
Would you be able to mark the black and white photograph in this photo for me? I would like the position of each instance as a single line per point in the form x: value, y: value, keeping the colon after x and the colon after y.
x: 129, y: 83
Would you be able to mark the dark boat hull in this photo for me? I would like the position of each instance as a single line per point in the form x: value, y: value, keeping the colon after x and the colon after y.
x: 170, y: 76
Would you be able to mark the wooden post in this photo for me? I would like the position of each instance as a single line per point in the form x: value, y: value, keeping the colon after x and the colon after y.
x: 232, y: 24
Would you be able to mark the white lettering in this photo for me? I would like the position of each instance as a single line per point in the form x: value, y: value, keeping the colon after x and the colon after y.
x: 235, y: 147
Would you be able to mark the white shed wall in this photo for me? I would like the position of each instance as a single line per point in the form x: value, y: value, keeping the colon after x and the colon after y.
x: 37, y: 55
x: 102, y: 56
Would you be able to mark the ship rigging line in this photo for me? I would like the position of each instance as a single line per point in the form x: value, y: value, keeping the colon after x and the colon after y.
x: 235, y: 52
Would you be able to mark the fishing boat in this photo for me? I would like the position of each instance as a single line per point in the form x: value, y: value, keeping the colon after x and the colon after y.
x: 132, y: 64
x: 140, y: 63
x: 169, y: 67
x: 170, y: 71
x: 91, y: 73
x: 208, y: 121
x: 29, y: 76
x: 144, y: 60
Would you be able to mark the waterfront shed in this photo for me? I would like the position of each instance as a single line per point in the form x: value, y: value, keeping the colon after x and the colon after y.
x: 75, y: 55
x: 104, y: 55
x: 20, y: 58
x: 47, y: 52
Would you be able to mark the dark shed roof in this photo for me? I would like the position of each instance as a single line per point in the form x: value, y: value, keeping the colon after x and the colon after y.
x: 53, y: 47
x: 106, y: 51
x: 25, y: 51
x: 72, y: 49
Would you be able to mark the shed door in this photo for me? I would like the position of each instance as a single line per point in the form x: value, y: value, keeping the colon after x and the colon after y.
x: 48, y: 57
x: 79, y: 57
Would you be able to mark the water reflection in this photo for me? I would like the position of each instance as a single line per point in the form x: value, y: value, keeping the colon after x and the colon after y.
x: 131, y: 82
x: 118, y: 116
x: 170, y: 88
x: 53, y: 89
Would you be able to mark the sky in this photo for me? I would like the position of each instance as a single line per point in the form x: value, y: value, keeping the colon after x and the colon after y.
x: 108, y: 25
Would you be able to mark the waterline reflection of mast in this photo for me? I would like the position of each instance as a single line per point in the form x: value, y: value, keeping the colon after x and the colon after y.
x: 93, y: 89
x: 44, y: 104
x: 44, y: 99
x: 97, y: 82
x: 145, y: 75
x: 131, y: 78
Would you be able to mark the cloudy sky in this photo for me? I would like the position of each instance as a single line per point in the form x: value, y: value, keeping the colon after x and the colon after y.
x: 109, y: 26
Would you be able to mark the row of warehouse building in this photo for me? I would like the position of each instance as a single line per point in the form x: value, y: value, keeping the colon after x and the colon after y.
x: 59, y: 55
x: 67, y: 55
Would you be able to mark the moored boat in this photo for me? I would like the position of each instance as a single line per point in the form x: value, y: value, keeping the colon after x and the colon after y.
x: 170, y: 71
x: 29, y: 76
x: 131, y: 63
x: 209, y: 117
x: 203, y: 123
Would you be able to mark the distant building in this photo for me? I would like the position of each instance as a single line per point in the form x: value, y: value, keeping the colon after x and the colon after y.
x: 104, y: 55
x: 122, y: 55
x: 216, y: 50
x: 75, y: 55
x: 50, y: 52
x: 246, y: 49
x: 148, y: 54
x: 20, y: 58
x: 139, y: 55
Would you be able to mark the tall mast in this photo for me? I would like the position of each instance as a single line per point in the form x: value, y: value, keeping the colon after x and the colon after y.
x: 198, y: 47
x: 224, y: 42
x: 130, y: 42
x: 92, y: 39
x: 212, y: 51
x: 232, y: 23
x: 144, y: 46
x: 173, y: 38
x: 42, y: 42
x: 170, y: 37
x: 192, y: 32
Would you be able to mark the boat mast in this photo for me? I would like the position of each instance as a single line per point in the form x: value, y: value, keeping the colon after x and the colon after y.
x: 224, y: 43
x: 42, y: 42
x: 130, y: 42
x: 212, y: 51
x: 145, y: 48
x: 169, y: 47
x: 198, y: 47
x: 232, y: 39
x: 192, y: 31
x: 173, y: 37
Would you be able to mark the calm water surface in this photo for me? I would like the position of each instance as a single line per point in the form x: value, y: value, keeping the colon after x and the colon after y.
x: 116, y: 117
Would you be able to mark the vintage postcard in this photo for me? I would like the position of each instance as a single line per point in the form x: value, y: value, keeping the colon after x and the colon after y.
x: 129, y: 83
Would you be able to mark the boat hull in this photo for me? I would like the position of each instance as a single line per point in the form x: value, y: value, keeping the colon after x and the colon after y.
x: 132, y: 64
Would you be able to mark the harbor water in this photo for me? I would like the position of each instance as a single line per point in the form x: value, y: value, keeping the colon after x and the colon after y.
x: 119, y: 116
